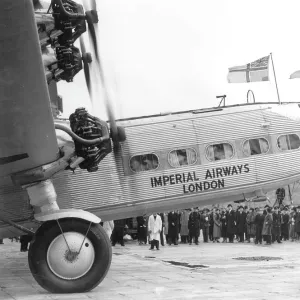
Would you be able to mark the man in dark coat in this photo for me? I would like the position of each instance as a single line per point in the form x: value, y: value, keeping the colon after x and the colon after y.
x: 194, y: 226
x: 118, y: 232
x: 241, y: 224
x: 142, y: 229
x: 204, y: 224
x: 231, y: 223
x: 211, y: 225
x: 276, y: 229
x: 259, y: 222
x: 162, y: 216
x: 297, y: 222
x: 25, y: 240
x: 247, y: 234
x: 173, y: 220
x: 285, y: 224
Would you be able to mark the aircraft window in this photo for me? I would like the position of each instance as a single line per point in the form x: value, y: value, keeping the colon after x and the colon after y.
x: 288, y: 142
x: 182, y: 157
x: 219, y: 152
x: 256, y: 146
x: 145, y: 162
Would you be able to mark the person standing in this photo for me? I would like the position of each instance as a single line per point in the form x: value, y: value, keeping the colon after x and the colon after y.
x: 259, y: 222
x: 267, y: 226
x: 276, y: 229
x: 297, y: 223
x: 154, y: 227
x: 184, y: 231
x: 108, y: 226
x: 231, y: 223
x: 118, y: 232
x: 173, y: 232
x: 223, y: 226
x: 250, y: 221
x: 166, y: 229
x: 142, y: 229
x: 285, y: 224
x: 217, y: 226
x: 194, y: 226
x: 246, y: 210
x: 205, y: 224
x: 292, y: 224
x: 241, y: 223
x: 211, y: 225
x: 162, y: 240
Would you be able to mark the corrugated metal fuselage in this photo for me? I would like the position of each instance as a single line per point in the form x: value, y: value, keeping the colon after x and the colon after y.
x: 115, y: 191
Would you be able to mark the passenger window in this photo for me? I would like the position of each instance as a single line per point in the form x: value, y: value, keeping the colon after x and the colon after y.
x: 219, y: 152
x: 256, y: 146
x: 182, y: 157
x: 288, y: 142
x: 145, y: 162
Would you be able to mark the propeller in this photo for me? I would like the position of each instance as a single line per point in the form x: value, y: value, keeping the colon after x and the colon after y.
x: 117, y: 133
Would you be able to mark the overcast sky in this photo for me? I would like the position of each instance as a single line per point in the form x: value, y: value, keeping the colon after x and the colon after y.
x: 170, y: 55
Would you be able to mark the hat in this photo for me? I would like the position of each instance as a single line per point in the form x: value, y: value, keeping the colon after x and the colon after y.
x: 241, y: 207
x: 251, y: 208
x: 285, y: 208
x: 229, y: 205
x: 245, y: 207
x: 266, y: 206
x: 256, y: 208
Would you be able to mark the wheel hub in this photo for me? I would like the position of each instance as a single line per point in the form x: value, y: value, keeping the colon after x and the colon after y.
x: 65, y: 261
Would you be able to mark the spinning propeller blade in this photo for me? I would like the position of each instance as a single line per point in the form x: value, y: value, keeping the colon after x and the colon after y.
x: 117, y: 134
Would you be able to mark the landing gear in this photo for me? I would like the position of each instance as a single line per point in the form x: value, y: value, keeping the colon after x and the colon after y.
x: 69, y: 255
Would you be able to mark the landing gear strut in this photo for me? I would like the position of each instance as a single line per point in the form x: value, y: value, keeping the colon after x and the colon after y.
x: 69, y: 255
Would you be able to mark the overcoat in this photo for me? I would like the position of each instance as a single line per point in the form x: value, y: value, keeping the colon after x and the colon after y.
x: 223, y: 225
x: 250, y: 221
x: 217, y: 226
x: 231, y: 222
x: 241, y: 221
x: 194, y: 224
x: 267, y: 227
x: 297, y: 222
x: 173, y: 220
x: 154, y: 227
x: 184, y: 220
x: 166, y: 229
x: 277, y: 220
x: 285, y: 225
x: 259, y: 221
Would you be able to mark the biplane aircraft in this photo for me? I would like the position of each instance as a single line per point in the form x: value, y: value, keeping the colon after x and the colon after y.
x: 59, y: 178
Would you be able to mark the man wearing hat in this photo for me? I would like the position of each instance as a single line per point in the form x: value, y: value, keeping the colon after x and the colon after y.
x: 241, y: 223
x: 297, y: 222
x: 194, y: 226
x: 259, y: 222
x: 276, y: 229
x: 204, y: 224
x: 285, y: 224
x: 231, y: 223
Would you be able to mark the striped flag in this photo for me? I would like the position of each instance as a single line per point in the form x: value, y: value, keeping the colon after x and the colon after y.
x: 295, y: 75
x: 255, y: 71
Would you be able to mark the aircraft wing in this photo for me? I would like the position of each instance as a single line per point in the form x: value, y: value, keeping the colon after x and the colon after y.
x: 27, y: 134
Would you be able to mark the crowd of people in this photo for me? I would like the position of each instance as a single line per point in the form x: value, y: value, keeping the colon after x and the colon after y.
x: 243, y: 224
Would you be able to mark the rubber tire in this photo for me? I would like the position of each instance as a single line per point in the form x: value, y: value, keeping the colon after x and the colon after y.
x: 37, y: 256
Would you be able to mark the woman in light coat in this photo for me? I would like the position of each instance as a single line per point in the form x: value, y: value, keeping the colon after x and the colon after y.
x: 267, y: 227
x: 154, y: 228
x: 184, y: 231
x: 216, y: 226
x: 108, y: 226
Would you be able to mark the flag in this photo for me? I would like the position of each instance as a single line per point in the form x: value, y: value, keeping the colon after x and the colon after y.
x: 295, y: 75
x: 255, y: 71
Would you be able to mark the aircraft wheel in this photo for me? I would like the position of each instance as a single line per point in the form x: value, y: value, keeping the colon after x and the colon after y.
x: 59, y: 267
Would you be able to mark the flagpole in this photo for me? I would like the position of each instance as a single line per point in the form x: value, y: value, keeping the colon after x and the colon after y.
x: 275, y: 78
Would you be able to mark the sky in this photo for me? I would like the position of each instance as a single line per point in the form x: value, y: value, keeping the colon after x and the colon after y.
x: 171, y: 55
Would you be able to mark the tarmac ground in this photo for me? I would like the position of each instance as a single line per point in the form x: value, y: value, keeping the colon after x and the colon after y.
x: 207, y: 271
